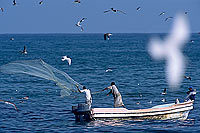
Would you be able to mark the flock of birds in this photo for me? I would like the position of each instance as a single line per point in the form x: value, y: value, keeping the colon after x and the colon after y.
x: 106, y: 37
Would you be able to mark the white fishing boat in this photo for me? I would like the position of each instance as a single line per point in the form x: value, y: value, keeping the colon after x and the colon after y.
x: 178, y: 111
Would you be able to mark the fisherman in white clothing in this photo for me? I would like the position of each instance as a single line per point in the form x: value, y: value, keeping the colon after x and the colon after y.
x: 87, y: 95
x: 117, y: 96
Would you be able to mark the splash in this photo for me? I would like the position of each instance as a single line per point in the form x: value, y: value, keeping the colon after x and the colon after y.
x: 170, y: 50
x: 41, y: 69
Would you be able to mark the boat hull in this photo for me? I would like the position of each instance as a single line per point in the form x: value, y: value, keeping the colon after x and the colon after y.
x: 178, y: 111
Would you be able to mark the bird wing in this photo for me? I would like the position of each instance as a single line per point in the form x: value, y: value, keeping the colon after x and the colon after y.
x: 6, y: 102
x: 82, y: 20
x: 64, y: 58
x: 69, y: 61
x: 105, y: 36
x: 107, y: 11
x: 2, y: 9
x: 81, y: 28
x: 122, y: 12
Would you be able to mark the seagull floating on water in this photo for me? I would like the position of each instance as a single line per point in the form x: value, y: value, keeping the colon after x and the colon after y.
x: 188, y: 77
x: 79, y: 23
x: 109, y: 70
x: 168, y: 18
x: 6, y: 102
x: 114, y: 10
x: 24, y: 51
x: 163, y: 100
x: 107, y: 36
x: 67, y: 58
x: 164, y: 91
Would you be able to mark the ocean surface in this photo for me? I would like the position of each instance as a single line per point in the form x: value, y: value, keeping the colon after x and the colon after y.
x: 138, y: 77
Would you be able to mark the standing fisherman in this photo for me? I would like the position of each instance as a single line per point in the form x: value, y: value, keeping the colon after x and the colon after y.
x: 88, y: 96
x: 117, y: 96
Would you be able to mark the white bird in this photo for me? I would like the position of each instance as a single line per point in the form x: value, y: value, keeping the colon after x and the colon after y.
x: 67, y: 58
x: 163, y: 100
x: 164, y: 91
x: 6, y: 102
x: 109, y: 70
x: 107, y: 36
x: 79, y: 23
x: 170, y: 50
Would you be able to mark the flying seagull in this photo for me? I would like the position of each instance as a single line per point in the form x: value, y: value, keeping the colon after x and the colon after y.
x: 164, y: 91
x: 67, y: 58
x: 168, y: 18
x: 79, y: 23
x: 77, y: 1
x: 14, y: 2
x: 162, y: 13
x: 24, y: 51
x: 107, y: 36
x: 114, y: 10
x: 138, y: 8
x: 170, y: 50
x: 2, y: 9
x: 41, y: 2
x: 188, y: 77
x: 6, y: 102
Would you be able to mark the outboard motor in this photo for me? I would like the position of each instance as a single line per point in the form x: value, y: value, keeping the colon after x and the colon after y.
x: 82, y: 112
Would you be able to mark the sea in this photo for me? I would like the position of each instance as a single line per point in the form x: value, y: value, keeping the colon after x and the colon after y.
x: 139, y: 78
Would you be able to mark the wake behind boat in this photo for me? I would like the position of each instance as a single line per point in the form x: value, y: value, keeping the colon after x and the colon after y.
x: 178, y: 111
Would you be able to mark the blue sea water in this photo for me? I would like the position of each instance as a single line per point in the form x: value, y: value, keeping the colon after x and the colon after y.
x: 133, y: 70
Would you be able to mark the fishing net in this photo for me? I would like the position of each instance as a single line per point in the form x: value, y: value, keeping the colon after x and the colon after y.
x: 41, y: 69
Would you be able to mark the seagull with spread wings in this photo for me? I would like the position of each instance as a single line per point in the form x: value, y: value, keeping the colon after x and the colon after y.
x: 107, y: 36
x: 114, y: 10
x: 69, y: 60
x: 79, y: 23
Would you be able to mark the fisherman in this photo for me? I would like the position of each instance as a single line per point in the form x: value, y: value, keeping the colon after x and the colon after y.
x: 117, y: 96
x: 191, y: 94
x: 87, y: 95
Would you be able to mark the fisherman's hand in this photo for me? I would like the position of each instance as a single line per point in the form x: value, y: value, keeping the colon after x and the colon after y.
x: 107, y: 95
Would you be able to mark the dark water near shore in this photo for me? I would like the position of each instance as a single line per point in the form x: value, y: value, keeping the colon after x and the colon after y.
x: 134, y: 72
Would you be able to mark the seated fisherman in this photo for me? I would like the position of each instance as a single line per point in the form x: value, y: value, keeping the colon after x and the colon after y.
x: 88, y: 96
x: 191, y: 94
x: 117, y: 96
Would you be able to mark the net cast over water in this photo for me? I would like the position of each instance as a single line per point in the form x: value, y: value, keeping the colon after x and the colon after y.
x: 41, y: 69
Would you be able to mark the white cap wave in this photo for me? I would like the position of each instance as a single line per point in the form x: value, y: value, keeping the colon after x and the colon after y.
x: 170, y: 50
x: 67, y: 58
